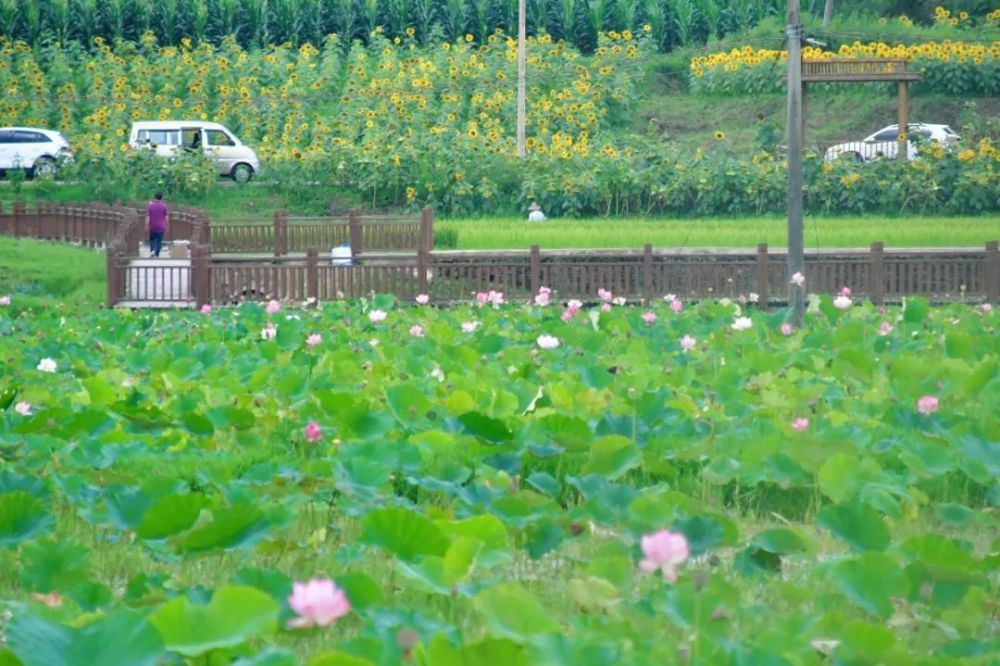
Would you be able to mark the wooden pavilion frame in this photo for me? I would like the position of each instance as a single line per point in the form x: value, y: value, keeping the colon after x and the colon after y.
x: 863, y: 70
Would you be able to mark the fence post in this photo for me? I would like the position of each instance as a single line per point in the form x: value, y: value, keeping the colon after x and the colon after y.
x: 19, y: 215
x: 312, y: 273
x: 536, y: 270
x: 427, y: 229
x: 201, y: 257
x: 280, y: 233
x: 762, y: 272
x: 356, y: 234
x: 993, y: 272
x: 876, y: 273
x: 111, y: 259
x: 647, y: 272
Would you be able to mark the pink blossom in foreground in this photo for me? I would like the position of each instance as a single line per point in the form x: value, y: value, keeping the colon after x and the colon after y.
x: 570, y: 312
x: 547, y: 341
x: 845, y: 291
x: 927, y: 404
x: 688, y: 343
x: 469, y: 326
x: 798, y: 279
x: 649, y: 317
x: 986, y: 308
x: 23, y: 408
x: 482, y: 298
x: 273, y: 306
x: 422, y: 299
x: 786, y: 329
x: 317, y: 603
x: 664, y: 551
x: 47, y: 365
x: 314, y: 339
x: 543, y: 297
x: 800, y: 424
x: 375, y: 316
x: 417, y: 331
x: 604, y: 294
x: 606, y: 307
x: 313, y: 432
x: 5, y: 300
x: 494, y: 298
x: 206, y: 308
x: 884, y: 329
x: 268, y: 332
x: 676, y: 306
x: 842, y: 302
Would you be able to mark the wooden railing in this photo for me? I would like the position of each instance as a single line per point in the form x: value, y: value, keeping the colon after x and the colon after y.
x: 637, y: 275
x: 857, y: 69
x: 283, y: 235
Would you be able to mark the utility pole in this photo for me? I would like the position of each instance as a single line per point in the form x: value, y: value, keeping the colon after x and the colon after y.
x: 522, y: 30
x: 796, y: 249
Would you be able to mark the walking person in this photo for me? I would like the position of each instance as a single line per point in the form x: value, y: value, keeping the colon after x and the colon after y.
x: 157, y: 223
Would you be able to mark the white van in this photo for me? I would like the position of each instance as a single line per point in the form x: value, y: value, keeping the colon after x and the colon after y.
x: 168, y: 137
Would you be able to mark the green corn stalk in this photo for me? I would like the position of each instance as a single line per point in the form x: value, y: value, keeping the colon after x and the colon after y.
x: 225, y: 18
x: 199, y: 20
x: 33, y: 22
x: 368, y: 16
x: 656, y: 16
x: 8, y: 18
x: 57, y: 20
x: 255, y: 26
x: 451, y: 14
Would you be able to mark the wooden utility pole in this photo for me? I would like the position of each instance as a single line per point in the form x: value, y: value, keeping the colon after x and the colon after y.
x: 796, y: 246
x: 522, y: 30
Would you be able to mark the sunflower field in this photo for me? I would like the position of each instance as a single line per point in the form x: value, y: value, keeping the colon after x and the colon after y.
x: 951, y: 67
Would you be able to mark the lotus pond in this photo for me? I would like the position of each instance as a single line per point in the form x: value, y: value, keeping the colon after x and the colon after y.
x: 375, y: 483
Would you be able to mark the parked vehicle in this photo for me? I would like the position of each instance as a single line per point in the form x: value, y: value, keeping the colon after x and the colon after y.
x: 37, y: 151
x: 166, y: 138
x: 885, y: 142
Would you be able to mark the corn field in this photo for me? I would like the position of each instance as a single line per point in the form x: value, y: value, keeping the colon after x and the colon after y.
x: 673, y: 23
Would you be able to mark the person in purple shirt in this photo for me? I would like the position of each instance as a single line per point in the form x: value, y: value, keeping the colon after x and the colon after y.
x: 157, y: 223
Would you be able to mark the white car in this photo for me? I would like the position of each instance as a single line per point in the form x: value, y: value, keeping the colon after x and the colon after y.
x: 37, y: 151
x: 885, y: 142
x: 166, y: 138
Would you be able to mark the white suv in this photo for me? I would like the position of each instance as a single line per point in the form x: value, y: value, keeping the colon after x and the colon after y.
x: 37, y: 151
x: 885, y: 142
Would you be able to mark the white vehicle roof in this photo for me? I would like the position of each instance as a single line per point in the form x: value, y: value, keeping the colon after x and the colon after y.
x: 54, y: 133
x: 176, y: 124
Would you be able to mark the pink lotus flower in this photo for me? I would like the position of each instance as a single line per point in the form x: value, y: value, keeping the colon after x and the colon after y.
x: 469, y: 326
x: 927, y: 404
x: 742, y: 323
x: 570, y: 312
x: 23, y: 408
x: 649, y: 317
x: 688, y: 343
x: 422, y: 299
x: 605, y: 307
x: 313, y: 432
x: 317, y: 603
x: 786, y: 329
x: 268, y: 332
x: 417, y: 331
x: 482, y: 298
x: 273, y: 306
x: 206, y: 308
x: 884, y: 329
x: 604, y: 294
x: 985, y: 308
x: 5, y: 300
x: 314, y: 339
x: 798, y: 279
x: 845, y: 291
x: 375, y: 316
x: 547, y: 341
x: 676, y: 306
x: 543, y: 297
x: 664, y: 551
x: 842, y: 302
x: 800, y: 424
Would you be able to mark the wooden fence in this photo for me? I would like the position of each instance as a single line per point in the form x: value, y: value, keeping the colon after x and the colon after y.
x: 637, y: 275
x: 284, y: 235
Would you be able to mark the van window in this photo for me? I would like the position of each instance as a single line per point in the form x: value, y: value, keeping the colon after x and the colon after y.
x: 218, y: 138
x: 888, y: 135
x: 159, y: 137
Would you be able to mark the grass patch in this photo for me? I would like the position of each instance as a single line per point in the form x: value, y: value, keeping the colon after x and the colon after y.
x: 511, y: 233
x: 40, y: 273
